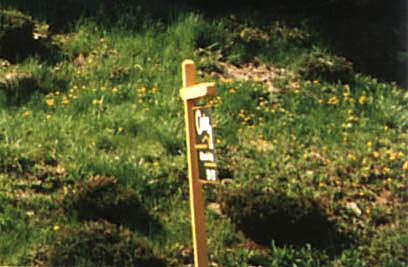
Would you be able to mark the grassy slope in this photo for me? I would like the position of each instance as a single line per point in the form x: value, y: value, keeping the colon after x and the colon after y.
x: 118, y: 114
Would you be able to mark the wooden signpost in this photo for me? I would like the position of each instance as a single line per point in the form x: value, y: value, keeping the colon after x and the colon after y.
x: 200, y: 154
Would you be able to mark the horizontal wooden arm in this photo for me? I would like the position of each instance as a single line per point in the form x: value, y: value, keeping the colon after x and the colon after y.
x: 198, y: 91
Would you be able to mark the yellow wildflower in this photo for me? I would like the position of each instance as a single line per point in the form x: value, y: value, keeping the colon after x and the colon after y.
x: 115, y: 90
x: 56, y: 228
x: 405, y: 165
x: 65, y: 100
x: 368, y: 211
x: 361, y: 99
x: 26, y: 113
x: 393, y: 156
x: 375, y: 154
x: 50, y: 101
x: 48, y: 116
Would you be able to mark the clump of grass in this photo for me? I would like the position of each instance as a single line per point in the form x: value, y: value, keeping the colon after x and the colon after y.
x: 102, y: 198
x: 100, y: 243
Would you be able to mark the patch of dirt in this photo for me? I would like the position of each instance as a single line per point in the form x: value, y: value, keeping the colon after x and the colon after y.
x: 267, y: 75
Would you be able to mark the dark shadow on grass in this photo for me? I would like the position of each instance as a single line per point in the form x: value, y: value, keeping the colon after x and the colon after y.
x: 264, y: 217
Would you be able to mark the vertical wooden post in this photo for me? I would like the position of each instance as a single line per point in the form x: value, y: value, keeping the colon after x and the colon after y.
x: 196, y: 197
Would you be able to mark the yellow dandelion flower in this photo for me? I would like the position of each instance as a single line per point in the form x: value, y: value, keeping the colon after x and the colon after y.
x: 362, y: 99
x: 102, y: 40
x: 56, y: 228
x: 57, y: 92
x: 393, y: 156
x: 375, y: 154
x: 386, y: 169
x: 368, y: 211
x: 369, y: 143
x: 48, y: 117
x: 156, y: 163
x: 405, y: 165
x: 361, y: 193
x: 65, y: 100
x: 120, y: 129
x: 26, y: 113
x: 115, y: 90
x: 102, y: 88
x: 50, y: 101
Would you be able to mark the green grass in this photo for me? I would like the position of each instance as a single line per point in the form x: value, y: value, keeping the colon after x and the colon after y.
x: 106, y: 104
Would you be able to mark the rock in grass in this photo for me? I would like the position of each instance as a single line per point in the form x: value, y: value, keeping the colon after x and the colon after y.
x: 353, y: 207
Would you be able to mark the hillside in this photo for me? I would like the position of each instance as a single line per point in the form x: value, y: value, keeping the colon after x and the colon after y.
x: 311, y: 149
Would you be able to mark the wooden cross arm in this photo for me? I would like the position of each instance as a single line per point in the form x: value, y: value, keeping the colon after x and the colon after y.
x: 198, y: 91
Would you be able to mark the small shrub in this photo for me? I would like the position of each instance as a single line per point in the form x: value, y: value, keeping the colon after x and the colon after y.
x: 274, y: 215
x: 322, y: 66
x: 100, y: 244
x: 102, y: 198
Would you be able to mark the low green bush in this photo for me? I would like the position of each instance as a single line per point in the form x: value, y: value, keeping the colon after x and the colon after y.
x: 273, y: 215
x: 100, y: 244
x: 101, y: 197
x: 321, y: 66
